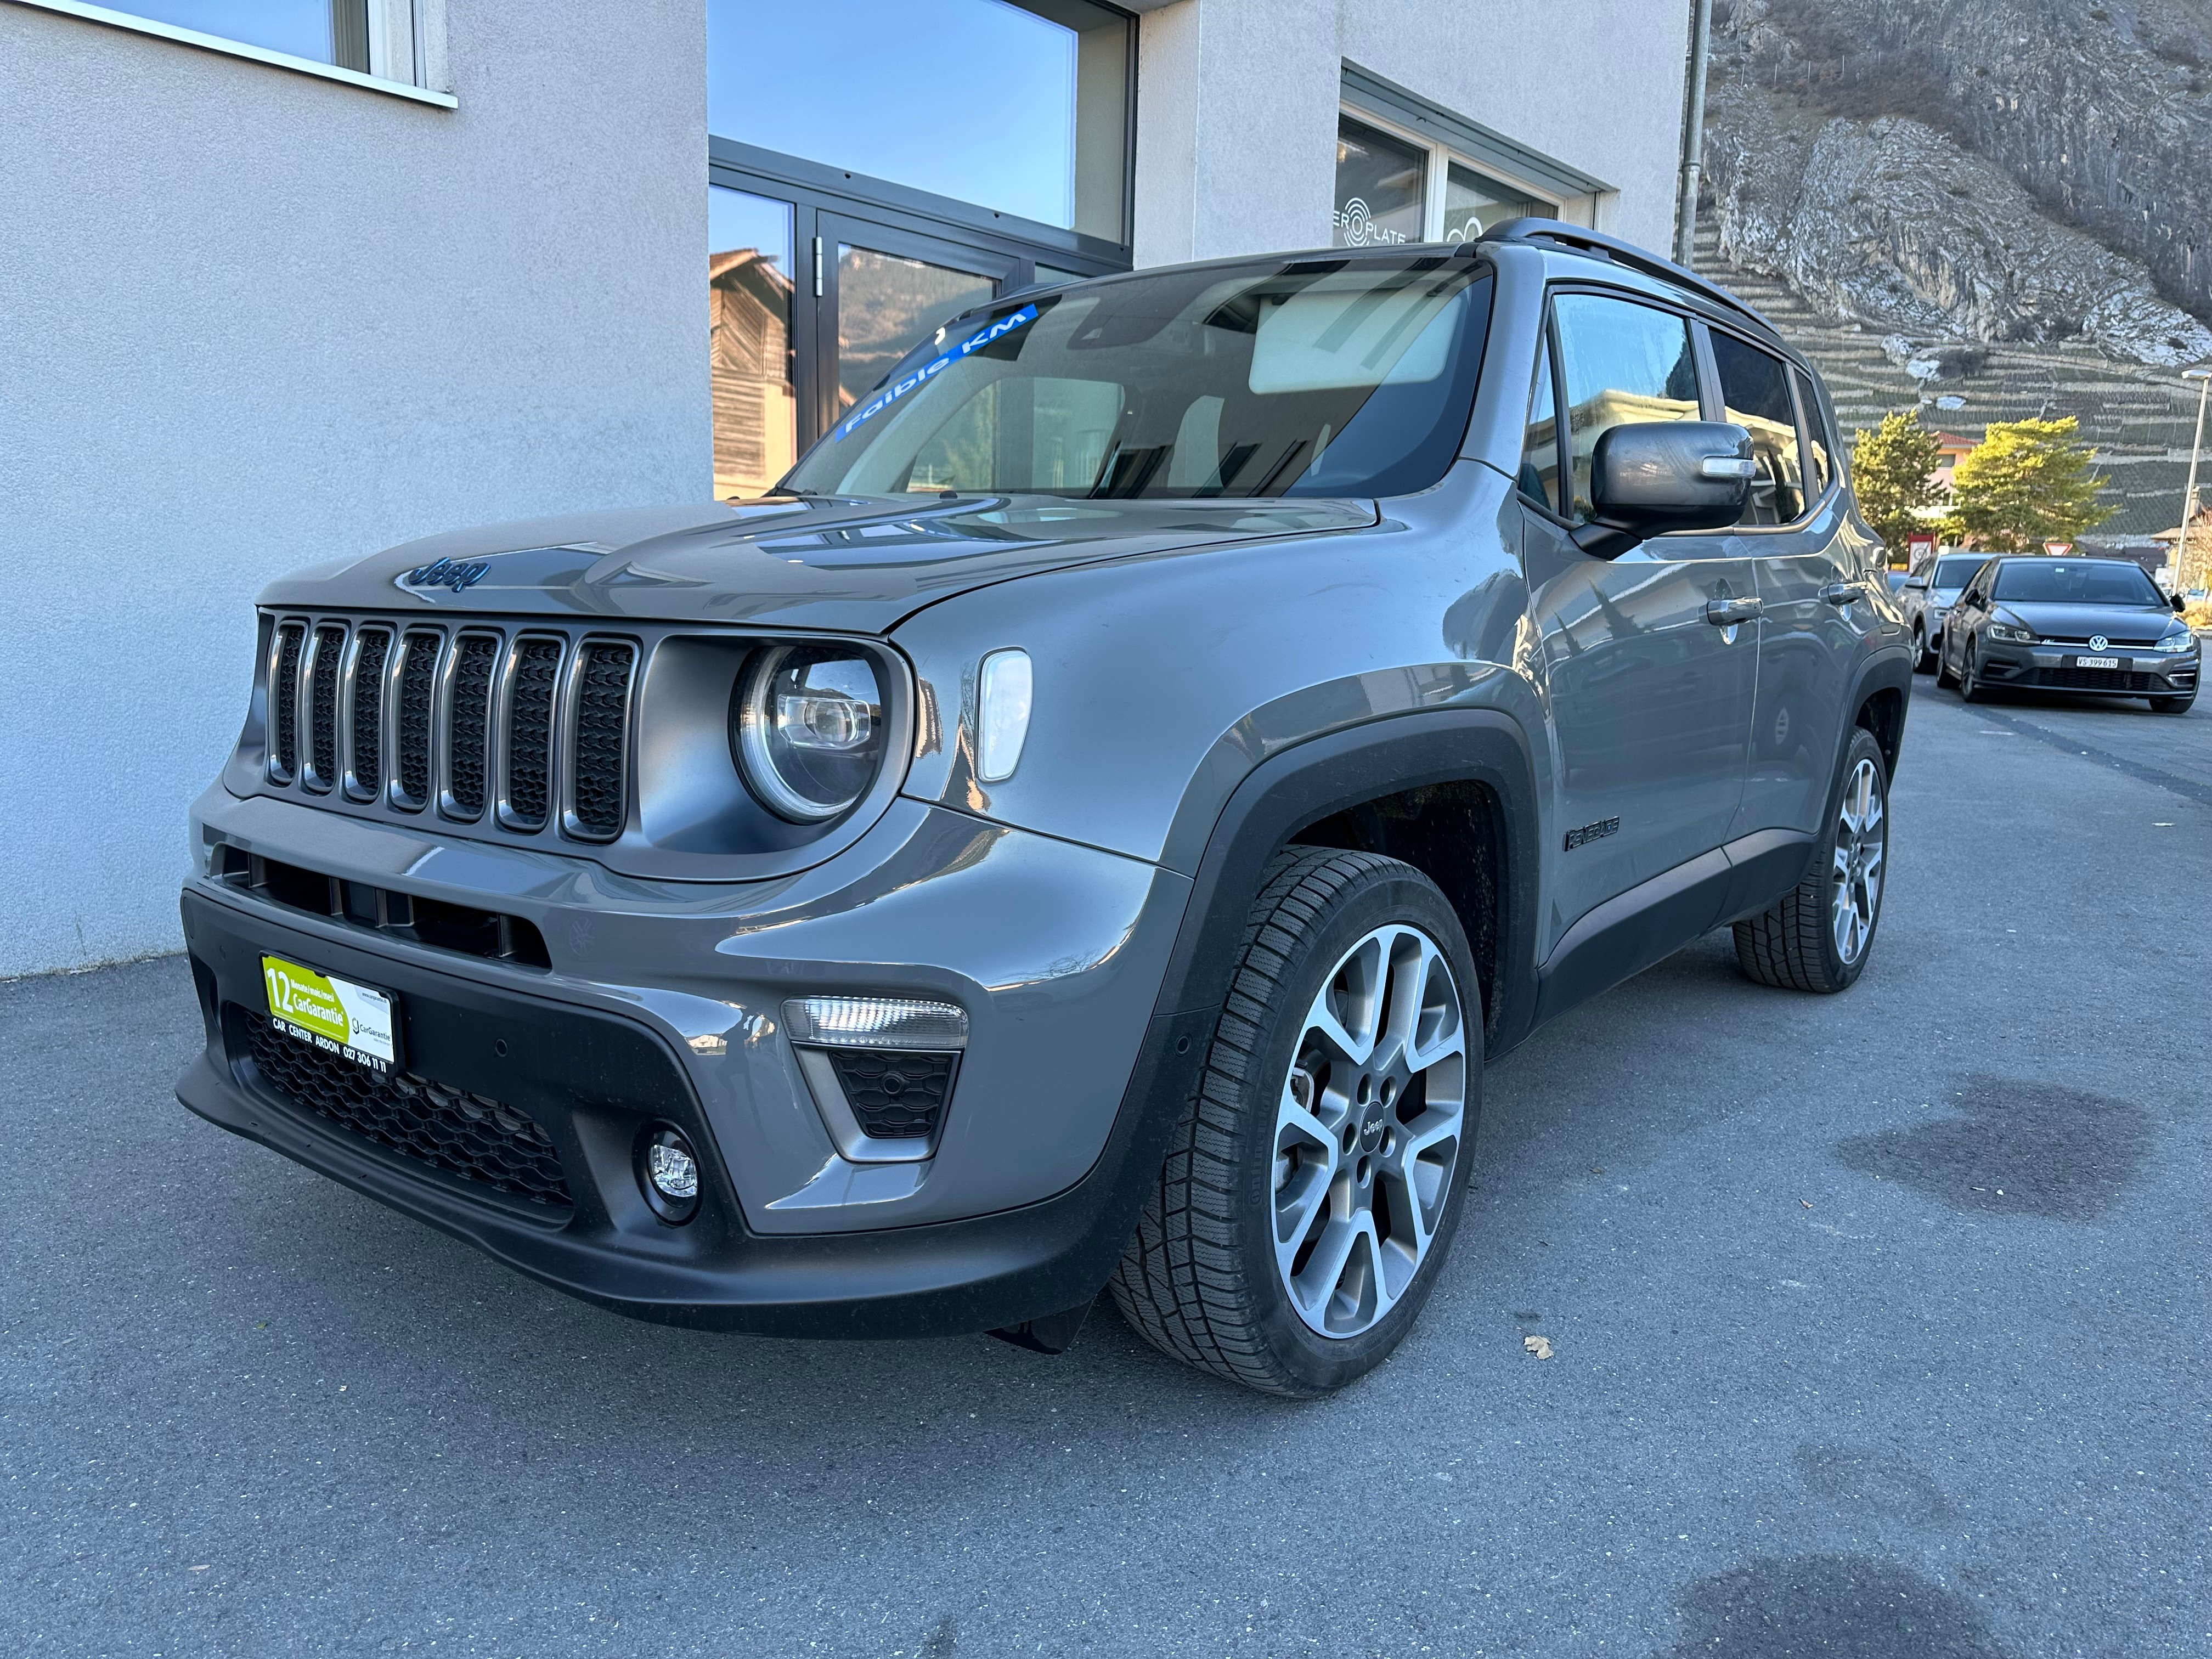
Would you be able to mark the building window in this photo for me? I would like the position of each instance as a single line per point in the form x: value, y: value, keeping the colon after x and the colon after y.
x: 374, y: 38
x: 1410, y: 170
x: 1381, y: 193
x: 1393, y: 186
x: 1021, y: 109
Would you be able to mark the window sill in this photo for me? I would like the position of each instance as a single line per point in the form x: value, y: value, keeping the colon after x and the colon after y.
x: 239, y: 49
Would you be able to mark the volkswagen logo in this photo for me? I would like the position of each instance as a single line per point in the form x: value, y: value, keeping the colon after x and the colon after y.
x: 2098, y: 642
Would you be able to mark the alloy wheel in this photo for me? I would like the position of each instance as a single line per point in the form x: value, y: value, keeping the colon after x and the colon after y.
x: 1368, y: 1130
x: 1861, y: 843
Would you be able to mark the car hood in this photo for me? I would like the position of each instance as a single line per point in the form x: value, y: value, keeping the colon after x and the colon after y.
x: 2079, y: 621
x: 844, y: 564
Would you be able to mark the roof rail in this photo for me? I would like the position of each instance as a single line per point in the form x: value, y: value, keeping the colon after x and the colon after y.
x: 1580, y: 240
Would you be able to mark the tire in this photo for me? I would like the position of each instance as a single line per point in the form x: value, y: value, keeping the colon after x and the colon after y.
x: 1971, y: 689
x: 1923, y: 659
x: 1944, y: 676
x: 1800, y: 943
x: 1286, y: 1133
x: 2172, y: 705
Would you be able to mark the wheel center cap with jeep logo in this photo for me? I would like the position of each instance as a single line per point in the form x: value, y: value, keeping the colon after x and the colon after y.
x: 1370, y: 1133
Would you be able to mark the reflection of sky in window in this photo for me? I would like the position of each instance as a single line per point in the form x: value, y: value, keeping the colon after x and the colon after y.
x: 970, y: 99
x: 736, y: 220
x: 302, y: 28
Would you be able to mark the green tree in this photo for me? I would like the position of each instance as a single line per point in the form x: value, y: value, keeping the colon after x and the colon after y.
x: 1893, y: 470
x: 2026, y: 483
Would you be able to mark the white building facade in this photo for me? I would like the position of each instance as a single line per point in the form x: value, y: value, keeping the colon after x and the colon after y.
x: 284, y: 282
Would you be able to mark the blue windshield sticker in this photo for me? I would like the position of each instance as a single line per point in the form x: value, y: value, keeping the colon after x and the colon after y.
x: 929, y: 371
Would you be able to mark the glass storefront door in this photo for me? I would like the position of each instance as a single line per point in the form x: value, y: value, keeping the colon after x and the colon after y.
x: 885, y: 293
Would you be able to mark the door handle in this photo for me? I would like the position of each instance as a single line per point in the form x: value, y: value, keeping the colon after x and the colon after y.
x: 1839, y: 593
x: 1727, y: 613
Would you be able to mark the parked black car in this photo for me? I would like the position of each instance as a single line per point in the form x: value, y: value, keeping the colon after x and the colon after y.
x: 2093, y: 626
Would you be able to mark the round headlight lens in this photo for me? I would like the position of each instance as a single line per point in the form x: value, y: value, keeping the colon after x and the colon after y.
x: 809, y: 730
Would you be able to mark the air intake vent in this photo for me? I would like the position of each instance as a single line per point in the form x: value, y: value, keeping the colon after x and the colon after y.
x: 418, y: 681
x: 372, y: 651
x: 327, y: 655
x: 598, y: 805
x: 469, y: 725
x: 284, y: 703
x: 535, y: 679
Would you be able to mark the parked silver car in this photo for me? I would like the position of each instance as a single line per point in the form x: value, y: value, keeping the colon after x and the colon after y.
x: 1930, y: 591
x: 1094, y: 823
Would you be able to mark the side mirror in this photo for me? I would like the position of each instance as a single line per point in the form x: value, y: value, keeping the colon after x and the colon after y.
x: 1919, y: 584
x: 1651, y: 477
x: 2179, y: 604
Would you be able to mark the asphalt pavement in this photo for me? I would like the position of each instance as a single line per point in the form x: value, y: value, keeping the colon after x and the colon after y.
x: 1881, y: 1330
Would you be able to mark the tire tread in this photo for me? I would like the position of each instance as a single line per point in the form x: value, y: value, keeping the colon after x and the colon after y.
x: 1177, y: 1284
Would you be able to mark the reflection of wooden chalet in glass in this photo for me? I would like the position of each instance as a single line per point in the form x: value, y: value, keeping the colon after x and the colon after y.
x: 755, y: 424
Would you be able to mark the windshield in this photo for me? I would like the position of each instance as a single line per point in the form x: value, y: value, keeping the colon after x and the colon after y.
x: 1952, y: 574
x: 1309, y: 377
x: 2075, y: 581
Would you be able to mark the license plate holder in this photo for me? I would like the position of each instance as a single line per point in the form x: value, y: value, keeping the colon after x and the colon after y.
x: 340, y: 1016
x: 2097, y: 662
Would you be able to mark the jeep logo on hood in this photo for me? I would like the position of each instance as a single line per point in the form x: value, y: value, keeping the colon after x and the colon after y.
x: 456, y: 574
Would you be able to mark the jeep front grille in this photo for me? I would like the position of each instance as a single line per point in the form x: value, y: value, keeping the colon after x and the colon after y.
x: 528, y: 730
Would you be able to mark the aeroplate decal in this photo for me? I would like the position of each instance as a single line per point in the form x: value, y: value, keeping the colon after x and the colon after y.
x: 929, y: 371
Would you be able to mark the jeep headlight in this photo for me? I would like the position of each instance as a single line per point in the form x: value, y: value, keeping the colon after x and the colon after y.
x: 2180, y: 640
x: 807, y: 729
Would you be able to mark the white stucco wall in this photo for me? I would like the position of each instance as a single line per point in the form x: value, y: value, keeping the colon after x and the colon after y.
x: 1237, y: 106
x: 252, y: 319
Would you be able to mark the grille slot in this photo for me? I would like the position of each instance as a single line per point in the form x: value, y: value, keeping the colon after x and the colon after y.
x: 2093, y: 679
x: 324, y: 660
x: 535, y: 676
x: 468, y: 724
x: 895, y: 1095
x: 365, y: 719
x: 467, y: 1134
x: 418, y: 681
x: 598, y: 804
x: 284, y: 702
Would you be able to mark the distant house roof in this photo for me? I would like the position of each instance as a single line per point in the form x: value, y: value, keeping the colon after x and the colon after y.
x: 2200, y: 524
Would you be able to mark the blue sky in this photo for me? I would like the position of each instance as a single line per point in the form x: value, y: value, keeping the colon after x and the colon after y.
x: 972, y: 99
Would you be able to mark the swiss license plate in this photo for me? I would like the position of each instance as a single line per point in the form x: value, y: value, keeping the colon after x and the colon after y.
x: 355, y: 1022
x: 2096, y: 662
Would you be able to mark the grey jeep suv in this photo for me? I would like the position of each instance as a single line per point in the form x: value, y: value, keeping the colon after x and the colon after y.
x: 1091, y: 826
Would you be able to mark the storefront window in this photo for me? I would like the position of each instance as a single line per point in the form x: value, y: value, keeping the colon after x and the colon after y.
x: 1474, y: 203
x: 1022, y: 108
x: 1379, y: 187
x: 749, y: 269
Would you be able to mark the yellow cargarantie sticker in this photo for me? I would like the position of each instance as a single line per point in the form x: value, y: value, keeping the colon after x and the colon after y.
x: 333, y: 1014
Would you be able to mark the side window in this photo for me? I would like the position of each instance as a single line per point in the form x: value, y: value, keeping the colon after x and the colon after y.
x: 1621, y: 362
x: 1540, y: 449
x: 1756, y: 394
x: 1815, y: 425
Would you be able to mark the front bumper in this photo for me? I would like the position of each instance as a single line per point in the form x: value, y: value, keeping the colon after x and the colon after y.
x: 651, y: 1013
x: 2052, y: 668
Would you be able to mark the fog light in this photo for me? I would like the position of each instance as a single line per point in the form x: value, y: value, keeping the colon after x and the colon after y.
x: 668, y: 1171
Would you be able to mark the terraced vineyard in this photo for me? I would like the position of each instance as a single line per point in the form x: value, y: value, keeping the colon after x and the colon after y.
x: 2139, y: 419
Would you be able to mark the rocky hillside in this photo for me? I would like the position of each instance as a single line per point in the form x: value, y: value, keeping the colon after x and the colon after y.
x: 2002, y: 202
